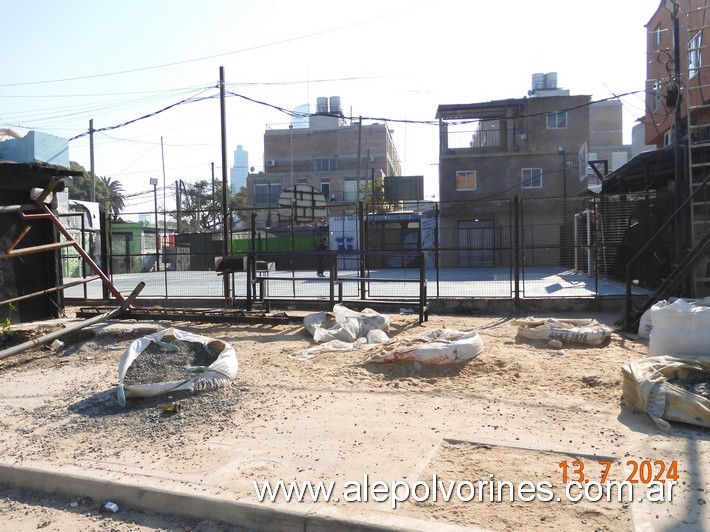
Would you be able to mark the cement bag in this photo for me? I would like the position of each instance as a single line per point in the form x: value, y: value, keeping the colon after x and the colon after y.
x: 438, y: 346
x: 669, y: 389
x: 681, y: 328
x: 171, y: 358
x: 577, y: 331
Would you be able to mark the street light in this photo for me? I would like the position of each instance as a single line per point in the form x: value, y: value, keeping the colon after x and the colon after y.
x: 154, y: 182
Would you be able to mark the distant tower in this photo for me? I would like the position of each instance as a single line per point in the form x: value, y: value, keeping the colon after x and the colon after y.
x: 238, y: 172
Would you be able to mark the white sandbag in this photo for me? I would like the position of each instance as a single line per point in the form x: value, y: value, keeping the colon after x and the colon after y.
x: 344, y: 324
x: 645, y: 323
x: 435, y: 347
x: 680, y: 329
x: 577, y: 331
x: 222, y: 371
x: 377, y: 336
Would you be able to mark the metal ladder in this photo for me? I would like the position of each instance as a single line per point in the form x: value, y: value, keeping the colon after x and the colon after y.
x: 695, y: 22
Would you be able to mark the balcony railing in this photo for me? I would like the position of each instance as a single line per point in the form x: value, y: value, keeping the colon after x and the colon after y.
x: 482, y: 141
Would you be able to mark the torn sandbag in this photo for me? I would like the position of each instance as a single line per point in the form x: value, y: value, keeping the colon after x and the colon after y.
x: 172, y: 360
x: 669, y: 389
x: 576, y: 331
x: 345, y: 324
x: 438, y: 346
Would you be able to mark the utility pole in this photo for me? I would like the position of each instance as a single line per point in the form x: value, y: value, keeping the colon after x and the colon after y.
x: 91, y: 160
x: 225, y: 226
x: 680, y: 182
x: 154, y: 182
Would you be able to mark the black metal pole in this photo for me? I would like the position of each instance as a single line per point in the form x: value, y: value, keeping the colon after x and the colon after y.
x: 516, y: 251
x: 680, y: 184
x: 157, y: 243
x: 225, y: 227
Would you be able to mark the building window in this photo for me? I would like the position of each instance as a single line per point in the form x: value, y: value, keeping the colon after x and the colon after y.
x: 557, y: 120
x: 266, y: 194
x: 694, y: 47
x: 657, y: 36
x: 465, y: 180
x: 655, y: 96
x: 532, y: 177
x: 325, y: 165
x: 325, y: 189
x: 350, y: 190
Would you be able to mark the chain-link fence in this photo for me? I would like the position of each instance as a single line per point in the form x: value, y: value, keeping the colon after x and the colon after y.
x: 520, y: 248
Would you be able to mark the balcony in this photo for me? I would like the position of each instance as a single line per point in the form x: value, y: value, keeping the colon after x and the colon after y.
x: 480, y: 141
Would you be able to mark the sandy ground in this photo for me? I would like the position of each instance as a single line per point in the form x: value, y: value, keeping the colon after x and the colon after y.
x: 553, y: 395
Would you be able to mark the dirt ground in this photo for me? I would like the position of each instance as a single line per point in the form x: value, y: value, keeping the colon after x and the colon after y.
x: 576, y: 378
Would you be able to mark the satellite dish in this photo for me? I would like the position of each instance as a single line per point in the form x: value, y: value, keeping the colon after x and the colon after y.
x: 303, y: 204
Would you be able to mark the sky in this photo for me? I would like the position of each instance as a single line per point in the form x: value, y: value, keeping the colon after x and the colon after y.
x: 147, y: 72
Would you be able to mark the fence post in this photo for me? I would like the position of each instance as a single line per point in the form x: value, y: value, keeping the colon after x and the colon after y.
x: 436, y: 246
x: 516, y: 251
x: 361, y: 246
x: 106, y: 255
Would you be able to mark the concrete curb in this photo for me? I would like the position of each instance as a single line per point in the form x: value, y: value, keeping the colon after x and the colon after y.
x: 198, y: 506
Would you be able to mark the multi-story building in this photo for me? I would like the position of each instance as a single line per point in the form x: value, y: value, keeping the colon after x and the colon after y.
x: 534, y: 147
x: 335, y: 156
x: 677, y: 125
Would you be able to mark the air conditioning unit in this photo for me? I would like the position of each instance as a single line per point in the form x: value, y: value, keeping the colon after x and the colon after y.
x: 271, y: 162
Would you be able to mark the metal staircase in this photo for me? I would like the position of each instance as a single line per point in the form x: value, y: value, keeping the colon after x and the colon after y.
x: 697, y: 87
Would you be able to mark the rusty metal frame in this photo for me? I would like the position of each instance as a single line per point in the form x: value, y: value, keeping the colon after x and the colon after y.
x: 46, y: 213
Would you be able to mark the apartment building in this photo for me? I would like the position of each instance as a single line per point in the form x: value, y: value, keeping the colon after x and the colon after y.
x: 491, y: 152
x: 337, y: 156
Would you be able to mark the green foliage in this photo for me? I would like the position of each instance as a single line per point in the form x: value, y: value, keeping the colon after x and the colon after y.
x: 7, y: 322
x: 108, y: 193
x: 201, y: 206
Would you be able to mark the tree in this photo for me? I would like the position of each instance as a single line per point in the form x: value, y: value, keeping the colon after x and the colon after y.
x: 108, y: 193
x: 113, y: 201
x: 200, y: 209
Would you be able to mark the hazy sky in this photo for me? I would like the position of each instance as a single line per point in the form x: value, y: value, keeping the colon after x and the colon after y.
x: 115, y: 62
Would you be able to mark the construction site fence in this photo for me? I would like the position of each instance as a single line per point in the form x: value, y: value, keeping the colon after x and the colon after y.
x: 505, y: 248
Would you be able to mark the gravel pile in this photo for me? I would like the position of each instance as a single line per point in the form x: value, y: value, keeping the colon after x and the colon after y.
x: 168, y: 361
x: 699, y: 384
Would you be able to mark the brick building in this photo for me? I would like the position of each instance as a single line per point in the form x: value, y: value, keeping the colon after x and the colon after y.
x: 332, y: 154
